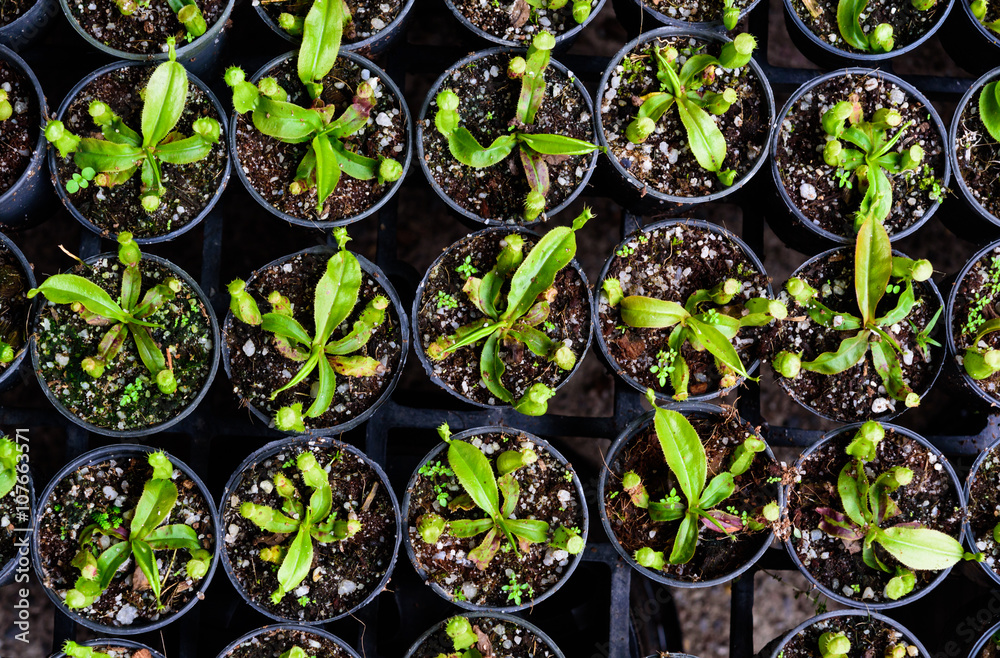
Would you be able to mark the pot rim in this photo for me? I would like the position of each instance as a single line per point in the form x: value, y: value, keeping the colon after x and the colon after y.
x: 965, y: 190
x: 39, y: 151
x: 14, y: 367
x: 991, y: 450
x: 115, y: 643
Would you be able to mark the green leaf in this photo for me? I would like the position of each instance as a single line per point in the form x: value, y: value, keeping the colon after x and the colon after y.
x: 322, y: 31
x: 327, y: 169
x: 327, y: 387
x: 877, y: 202
x: 686, y: 541
x: 166, y: 94
x: 902, y: 309
x: 683, y: 451
x: 267, y: 519
x: 872, y: 267
x: 316, y: 478
x: 538, y: 271
x: 510, y: 490
x: 365, y: 326
x: 849, y: 21
x: 303, y: 372
x: 887, y: 366
x: 648, y: 312
x: 354, y: 164
x: 530, y: 530
x: 146, y: 560
x: 848, y: 354
x: 285, y: 326
x: 475, y: 475
x: 467, y: 149
x: 536, y: 341
x: 717, y: 343
x: 664, y: 512
x: 106, y: 156
x: 297, y: 563
x: 557, y: 144
x: 704, y: 136
x: 111, y: 561
x: 719, y: 489
x: 847, y: 487
x: 149, y: 351
x: 184, y: 151
x: 356, y: 366
x: 989, y: 109
x: 532, y: 86
x: 336, y: 294
x: 491, y: 367
x: 922, y: 549
x: 695, y: 65
x: 465, y: 528
x: 173, y: 536
x: 157, y: 500
x: 286, y: 121
x: 482, y: 554
x: 70, y: 288
x: 655, y: 106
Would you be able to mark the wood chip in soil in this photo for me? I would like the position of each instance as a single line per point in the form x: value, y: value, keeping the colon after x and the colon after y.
x: 146, y: 31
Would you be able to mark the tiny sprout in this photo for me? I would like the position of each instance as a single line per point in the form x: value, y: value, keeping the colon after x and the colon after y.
x: 242, y: 304
x: 5, y: 108
x: 834, y: 645
x: 459, y: 629
x: 80, y: 180
x: 647, y: 557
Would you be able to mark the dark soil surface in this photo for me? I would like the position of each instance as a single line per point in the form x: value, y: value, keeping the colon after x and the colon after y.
x: 857, y: 393
x: 813, y: 185
x: 908, y: 23
x: 517, y: 21
x: 189, y: 188
x: 717, y: 554
x: 694, y: 11
x: 976, y: 302
x: 344, y: 573
x: 99, y: 488
x: 270, y: 164
x: 507, y: 639
x: 19, y: 133
x: 258, y: 369
x: 488, y: 105
x: 146, y: 31
x: 367, y: 18
x: 569, y: 317
x: 984, y: 510
x: 671, y: 264
x: 665, y: 161
x: 931, y: 500
x: 14, y: 304
x: 273, y: 643
x: 125, y: 397
x: 14, y: 9
x: 978, y: 155
x: 547, y: 493
x: 873, y: 636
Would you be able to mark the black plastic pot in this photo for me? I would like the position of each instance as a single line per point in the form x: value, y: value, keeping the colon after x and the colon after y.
x: 563, y: 41
x: 29, y: 26
x: 612, y: 363
x: 968, y: 42
x: 290, y: 627
x: 831, y: 57
x: 991, y: 451
x: 418, y: 346
x: 198, y: 57
x: 96, y: 456
x: 703, y: 410
x: 15, y: 369
x: 426, y: 119
x: 863, y: 615
x: 390, y: 85
x: 18, y: 564
x: 374, y: 272
x: 637, y: 15
x: 67, y: 200
x: 161, y: 427
x: 291, y: 443
x: 929, y: 283
x: 472, y: 616
x: 27, y: 202
x: 784, y: 217
x: 436, y: 454
x: 629, y: 190
x: 109, y: 642
x: 969, y: 219
x: 373, y: 45
x: 838, y: 596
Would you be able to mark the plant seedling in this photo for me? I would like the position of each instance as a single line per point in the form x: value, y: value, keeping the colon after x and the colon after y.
x: 989, y: 107
x: 876, y: 273
x: 834, y: 645
x: 10, y: 455
x: 188, y: 14
x: 982, y: 362
x: 140, y: 539
x: 878, y: 40
x: 463, y: 638
x: 128, y: 316
x: 316, y: 521
x: 535, y: 149
x: 979, y: 8
x: 686, y: 458
x: 74, y: 650
x: 679, y: 86
x: 123, y: 151
x: 873, y: 157
x: 581, y: 8
x: 483, y: 489
x: 868, y: 506
x: 328, y: 135
x: 335, y: 297
x: 6, y: 110
x: 730, y: 15
x: 294, y: 20
x: 514, y: 321
x: 707, y: 321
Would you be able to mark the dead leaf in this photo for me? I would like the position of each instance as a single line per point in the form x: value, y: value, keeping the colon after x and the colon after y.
x: 141, y: 653
x: 271, y: 540
x: 519, y: 13
x: 139, y: 580
x: 555, y: 159
x: 483, y: 644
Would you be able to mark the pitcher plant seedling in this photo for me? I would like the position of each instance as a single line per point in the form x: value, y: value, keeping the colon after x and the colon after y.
x: 128, y: 316
x: 688, y: 462
x: 298, y: 12
x: 334, y: 300
x: 873, y: 157
x: 879, y: 39
x: 581, y: 10
x: 707, y: 321
x: 139, y: 538
x: 10, y: 455
x: 834, y: 645
x: 536, y: 150
x: 315, y: 521
x: 464, y: 639
x: 74, y: 650
x: 123, y: 151
x: 329, y: 136
x: 187, y: 11
x: 876, y: 273
x: 868, y: 506
x: 514, y: 320
x: 679, y: 86
x: 979, y: 8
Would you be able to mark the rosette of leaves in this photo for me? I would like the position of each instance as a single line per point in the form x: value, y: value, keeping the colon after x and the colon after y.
x: 188, y: 13
x: 979, y: 8
x: 464, y: 639
x: 495, y: 497
x: 873, y: 159
x: 876, y: 273
x: 139, y: 538
x: 878, y: 40
x: 513, y: 319
x: 315, y: 520
x: 686, y: 458
x: 127, y: 316
x: 123, y: 151
x: 707, y: 321
x: 10, y: 455
x: 867, y: 511
x: 679, y: 87
x: 334, y: 299
x: 534, y: 149
x: 328, y: 134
